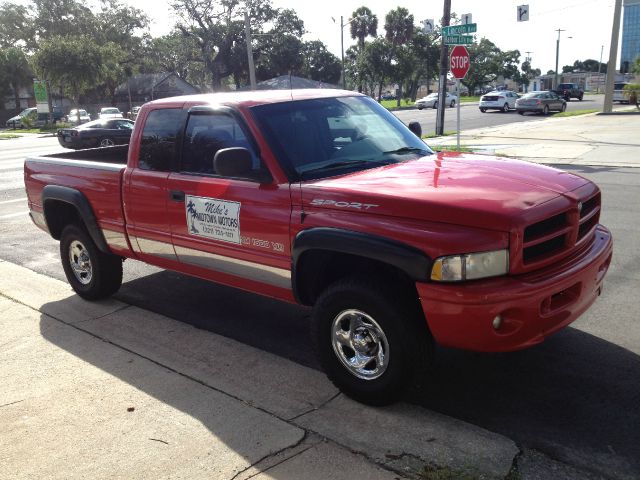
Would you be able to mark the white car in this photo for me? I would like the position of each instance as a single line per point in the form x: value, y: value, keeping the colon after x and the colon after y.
x: 110, y: 112
x: 504, y: 100
x: 72, y: 117
x: 431, y: 101
x: 618, y: 92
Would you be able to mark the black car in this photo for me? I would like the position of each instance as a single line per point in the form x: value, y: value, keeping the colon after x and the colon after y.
x: 98, y: 133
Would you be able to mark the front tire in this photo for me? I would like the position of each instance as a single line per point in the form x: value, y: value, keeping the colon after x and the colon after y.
x: 564, y: 107
x: 91, y: 273
x: 483, y: 110
x: 435, y: 105
x: 452, y: 104
x: 545, y: 110
x: 369, y: 340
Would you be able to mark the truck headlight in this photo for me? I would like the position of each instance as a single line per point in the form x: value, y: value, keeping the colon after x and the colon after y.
x: 470, y: 266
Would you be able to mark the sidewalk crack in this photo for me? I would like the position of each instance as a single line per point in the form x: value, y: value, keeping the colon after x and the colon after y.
x: 273, y: 454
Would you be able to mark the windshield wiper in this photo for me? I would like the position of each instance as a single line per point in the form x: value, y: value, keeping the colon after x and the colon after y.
x: 343, y: 163
x: 407, y: 150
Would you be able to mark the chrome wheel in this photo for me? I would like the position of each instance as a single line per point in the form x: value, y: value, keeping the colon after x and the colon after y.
x: 360, y: 344
x: 505, y: 108
x: 107, y: 142
x: 80, y: 262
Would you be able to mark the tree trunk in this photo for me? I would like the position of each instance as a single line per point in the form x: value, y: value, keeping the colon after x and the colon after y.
x: 16, y: 96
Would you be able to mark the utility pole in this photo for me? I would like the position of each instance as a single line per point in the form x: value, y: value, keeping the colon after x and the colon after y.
x: 444, y: 68
x: 252, y: 68
x: 342, y: 50
x: 555, y: 85
x: 613, y: 59
x: 599, y: 68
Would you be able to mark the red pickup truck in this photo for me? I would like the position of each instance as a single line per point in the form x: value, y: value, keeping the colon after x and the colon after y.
x: 323, y: 198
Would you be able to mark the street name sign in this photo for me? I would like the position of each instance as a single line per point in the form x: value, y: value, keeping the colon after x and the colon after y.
x: 458, y: 40
x: 460, y: 29
x: 459, y: 61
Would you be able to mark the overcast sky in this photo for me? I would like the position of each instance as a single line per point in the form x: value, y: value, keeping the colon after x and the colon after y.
x: 588, y: 22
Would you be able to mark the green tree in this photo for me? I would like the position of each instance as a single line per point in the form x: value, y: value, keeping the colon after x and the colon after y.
x: 17, y: 70
x: 73, y: 62
x: 636, y: 66
x: 216, y: 26
x: 16, y: 27
x: 488, y: 63
x: 364, y: 23
x: 398, y: 26
x: 319, y: 63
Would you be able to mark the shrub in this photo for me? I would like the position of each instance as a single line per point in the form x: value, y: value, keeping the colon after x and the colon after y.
x: 632, y: 91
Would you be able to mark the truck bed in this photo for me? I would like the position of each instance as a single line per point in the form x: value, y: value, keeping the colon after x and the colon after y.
x: 96, y: 173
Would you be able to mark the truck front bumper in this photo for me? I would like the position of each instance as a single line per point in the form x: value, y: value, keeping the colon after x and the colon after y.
x: 530, y: 306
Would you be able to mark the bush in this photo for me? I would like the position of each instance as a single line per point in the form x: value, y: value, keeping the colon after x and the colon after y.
x: 632, y: 91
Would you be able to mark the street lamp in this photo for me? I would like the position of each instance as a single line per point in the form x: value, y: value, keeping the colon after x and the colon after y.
x: 555, y: 85
x: 342, y: 25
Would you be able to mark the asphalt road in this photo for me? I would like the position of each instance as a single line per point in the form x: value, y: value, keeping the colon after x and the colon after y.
x: 576, y: 397
x: 471, y: 117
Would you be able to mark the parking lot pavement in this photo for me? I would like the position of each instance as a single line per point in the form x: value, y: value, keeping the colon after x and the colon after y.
x: 595, y: 140
x: 105, y: 389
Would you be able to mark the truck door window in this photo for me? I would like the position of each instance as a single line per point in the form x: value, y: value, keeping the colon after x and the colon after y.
x: 159, y: 137
x: 205, y: 135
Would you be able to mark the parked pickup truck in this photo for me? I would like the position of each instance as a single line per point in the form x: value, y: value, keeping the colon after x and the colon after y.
x: 324, y: 198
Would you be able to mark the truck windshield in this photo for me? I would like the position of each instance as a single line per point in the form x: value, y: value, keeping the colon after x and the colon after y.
x: 332, y: 136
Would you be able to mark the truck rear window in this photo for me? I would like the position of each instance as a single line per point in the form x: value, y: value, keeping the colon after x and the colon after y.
x: 158, y: 145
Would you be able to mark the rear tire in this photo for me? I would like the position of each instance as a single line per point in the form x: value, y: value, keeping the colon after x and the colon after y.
x: 107, y: 142
x: 452, y: 104
x: 545, y: 110
x: 521, y: 112
x: 91, y: 273
x: 505, y: 108
x: 371, y: 339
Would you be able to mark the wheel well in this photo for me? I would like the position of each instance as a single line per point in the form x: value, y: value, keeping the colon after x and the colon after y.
x: 317, y: 269
x: 59, y: 214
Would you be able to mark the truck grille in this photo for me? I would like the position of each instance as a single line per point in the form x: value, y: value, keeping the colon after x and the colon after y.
x: 546, y: 240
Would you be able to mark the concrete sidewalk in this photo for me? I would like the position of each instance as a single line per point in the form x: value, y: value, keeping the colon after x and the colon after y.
x: 105, y: 389
x: 595, y: 140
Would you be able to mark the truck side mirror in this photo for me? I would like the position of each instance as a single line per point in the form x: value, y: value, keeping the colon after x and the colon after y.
x: 232, y: 162
x: 416, y: 128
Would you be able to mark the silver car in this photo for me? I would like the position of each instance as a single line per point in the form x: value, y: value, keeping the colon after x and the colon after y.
x: 431, y: 101
x: 504, y: 100
x: 540, y: 102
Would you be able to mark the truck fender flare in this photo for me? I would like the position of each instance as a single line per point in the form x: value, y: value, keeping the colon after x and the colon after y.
x: 413, y: 262
x: 80, y: 202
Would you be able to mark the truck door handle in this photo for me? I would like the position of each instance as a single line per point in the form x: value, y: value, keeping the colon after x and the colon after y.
x: 176, y: 195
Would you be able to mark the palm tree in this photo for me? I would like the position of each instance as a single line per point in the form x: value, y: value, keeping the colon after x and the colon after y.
x: 364, y: 24
x: 191, y: 210
x: 398, y: 25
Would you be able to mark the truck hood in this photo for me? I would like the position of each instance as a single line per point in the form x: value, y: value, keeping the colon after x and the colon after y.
x: 463, y: 189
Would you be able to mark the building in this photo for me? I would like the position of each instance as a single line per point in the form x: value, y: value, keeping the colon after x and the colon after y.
x: 151, y: 86
x: 630, y: 35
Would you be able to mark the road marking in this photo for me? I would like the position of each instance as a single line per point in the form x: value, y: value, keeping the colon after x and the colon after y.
x: 12, y: 215
x: 4, y: 202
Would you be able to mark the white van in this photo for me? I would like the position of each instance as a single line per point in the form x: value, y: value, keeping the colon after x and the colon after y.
x: 618, y: 93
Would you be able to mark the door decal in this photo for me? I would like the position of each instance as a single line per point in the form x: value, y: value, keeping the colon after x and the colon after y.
x: 213, y: 218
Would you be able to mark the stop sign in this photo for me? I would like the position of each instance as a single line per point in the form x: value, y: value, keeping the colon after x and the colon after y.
x: 459, y: 61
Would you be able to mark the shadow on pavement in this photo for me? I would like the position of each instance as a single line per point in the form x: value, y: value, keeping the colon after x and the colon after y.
x: 575, y: 397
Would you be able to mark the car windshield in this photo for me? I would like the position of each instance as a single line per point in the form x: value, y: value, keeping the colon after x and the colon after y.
x: 330, y: 136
